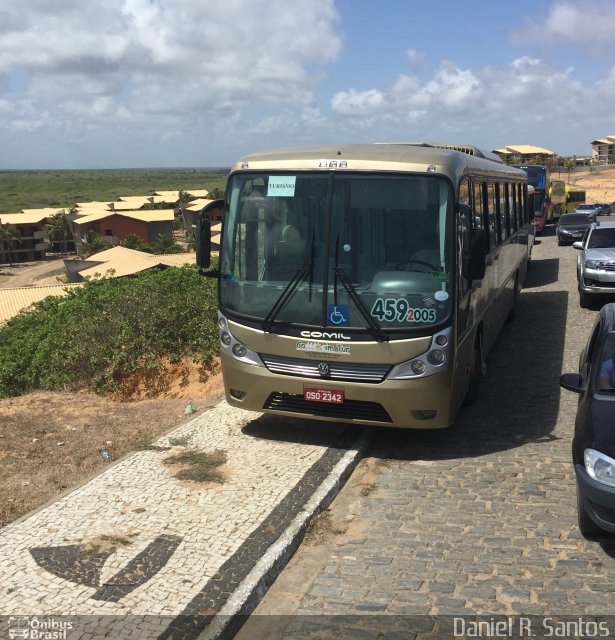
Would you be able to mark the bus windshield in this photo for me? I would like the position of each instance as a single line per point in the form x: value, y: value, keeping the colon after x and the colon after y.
x: 338, y: 250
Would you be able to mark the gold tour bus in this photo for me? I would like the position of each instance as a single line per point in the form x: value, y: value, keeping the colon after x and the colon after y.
x: 366, y: 283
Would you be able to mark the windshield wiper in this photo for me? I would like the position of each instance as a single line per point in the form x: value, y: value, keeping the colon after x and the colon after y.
x: 374, y: 328
x: 284, y: 297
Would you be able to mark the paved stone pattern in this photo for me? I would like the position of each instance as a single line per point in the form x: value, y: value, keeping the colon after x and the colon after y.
x: 186, y: 541
x: 481, y: 518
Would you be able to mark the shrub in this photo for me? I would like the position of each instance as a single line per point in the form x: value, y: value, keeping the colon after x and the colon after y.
x: 107, y: 328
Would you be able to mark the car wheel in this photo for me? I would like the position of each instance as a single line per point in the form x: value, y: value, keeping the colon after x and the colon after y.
x: 585, y: 300
x: 588, y: 528
x: 476, y: 373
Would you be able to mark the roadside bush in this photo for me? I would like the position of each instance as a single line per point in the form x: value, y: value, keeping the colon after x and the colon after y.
x: 107, y: 328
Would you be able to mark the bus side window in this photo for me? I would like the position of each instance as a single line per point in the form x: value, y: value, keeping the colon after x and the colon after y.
x: 510, y: 214
x: 478, y: 217
x: 464, y: 224
x: 498, y: 211
x: 489, y: 215
x: 522, y: 211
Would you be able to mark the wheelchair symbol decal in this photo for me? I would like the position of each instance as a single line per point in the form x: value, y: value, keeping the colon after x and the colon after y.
x: 338, y: 314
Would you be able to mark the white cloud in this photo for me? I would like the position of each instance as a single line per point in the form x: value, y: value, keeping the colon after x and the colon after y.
x: 588, y: 23
x: 169, y: 63
x: 357, y: 103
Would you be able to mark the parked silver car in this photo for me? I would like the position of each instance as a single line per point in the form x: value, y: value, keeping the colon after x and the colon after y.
x: 591, y: 210
x: 596, y: 262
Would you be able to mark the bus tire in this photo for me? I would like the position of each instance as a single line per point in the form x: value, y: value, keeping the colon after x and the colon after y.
x: 476, y: 373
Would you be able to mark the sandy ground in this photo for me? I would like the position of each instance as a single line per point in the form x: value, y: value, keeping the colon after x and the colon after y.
x: 51, y: 442
x: 599, y: 185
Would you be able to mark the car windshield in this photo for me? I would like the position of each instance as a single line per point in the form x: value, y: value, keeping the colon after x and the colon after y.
x: 573, y: 218
x: 601, y: 238
x: 605, y: 380
x: 338, y: 250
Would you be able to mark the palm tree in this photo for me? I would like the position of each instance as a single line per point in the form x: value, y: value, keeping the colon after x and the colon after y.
x: 165, y: 244
x: 58, y: 229
x: 9, y: 235
x: 132, y: 241
x: 92, y: 243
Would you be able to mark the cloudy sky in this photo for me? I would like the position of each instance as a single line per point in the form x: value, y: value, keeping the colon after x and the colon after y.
x: 154, y: 83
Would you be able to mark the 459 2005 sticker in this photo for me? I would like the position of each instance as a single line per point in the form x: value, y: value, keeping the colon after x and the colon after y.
x: 398, y: 309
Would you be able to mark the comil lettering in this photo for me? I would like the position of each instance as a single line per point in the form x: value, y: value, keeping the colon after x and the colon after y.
x: 325, y: 335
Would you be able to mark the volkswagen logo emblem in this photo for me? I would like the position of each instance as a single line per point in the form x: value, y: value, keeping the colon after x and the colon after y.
x: 323, y: 369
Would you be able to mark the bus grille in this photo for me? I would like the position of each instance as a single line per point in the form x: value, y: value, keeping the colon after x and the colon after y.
x: 342, y: 371
x: 349, y: 410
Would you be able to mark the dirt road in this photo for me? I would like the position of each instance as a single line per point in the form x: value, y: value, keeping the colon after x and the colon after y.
x: 29, y: 274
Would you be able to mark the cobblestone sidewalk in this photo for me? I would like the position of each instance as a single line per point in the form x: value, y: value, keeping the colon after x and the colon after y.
x: 136, y: 552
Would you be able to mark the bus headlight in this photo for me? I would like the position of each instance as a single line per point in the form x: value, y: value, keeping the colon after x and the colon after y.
x: 429, y: 363
x: 436, y: 357
x: 418, y: 366
x: 233, y: 348
x: 239, y: 350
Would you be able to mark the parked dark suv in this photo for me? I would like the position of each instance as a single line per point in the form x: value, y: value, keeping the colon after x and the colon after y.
x: 593, y: 444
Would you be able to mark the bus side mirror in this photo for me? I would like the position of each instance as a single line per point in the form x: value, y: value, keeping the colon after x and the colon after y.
x: 203, y: 237
x: 203, y: 243
x: 474, y: 260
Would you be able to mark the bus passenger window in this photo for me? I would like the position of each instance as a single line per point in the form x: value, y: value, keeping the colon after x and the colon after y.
x: 494, y: 240
x: 478, y: 217
x: 522, y: 209
x: 505, y: 203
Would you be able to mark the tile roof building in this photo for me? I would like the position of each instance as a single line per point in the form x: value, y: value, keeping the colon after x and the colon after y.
x: 14, y: 300
x: 603, y: 150
x: 522, y: 153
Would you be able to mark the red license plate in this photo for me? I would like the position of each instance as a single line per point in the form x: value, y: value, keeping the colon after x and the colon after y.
x: 315, y: 394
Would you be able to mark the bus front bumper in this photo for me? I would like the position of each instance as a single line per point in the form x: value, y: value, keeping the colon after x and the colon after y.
x: 418, y: 403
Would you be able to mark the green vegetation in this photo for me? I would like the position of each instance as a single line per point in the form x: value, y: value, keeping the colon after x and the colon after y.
x: 38, y: 189
x: 9, y: 236
x: 108, y: 328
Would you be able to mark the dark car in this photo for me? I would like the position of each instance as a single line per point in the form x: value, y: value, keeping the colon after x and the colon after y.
x: 603, y: 209
x: 593, y: 444
x: 572, y: 226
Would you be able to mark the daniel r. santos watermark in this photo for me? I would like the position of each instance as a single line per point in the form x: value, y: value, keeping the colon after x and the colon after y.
x: 531, y: 627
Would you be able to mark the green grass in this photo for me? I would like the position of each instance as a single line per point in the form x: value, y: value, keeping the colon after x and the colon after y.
x: 63, y: 188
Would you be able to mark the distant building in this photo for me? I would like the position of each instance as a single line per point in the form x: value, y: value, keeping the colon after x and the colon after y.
x: 603, y: 150
x: 120, y: 262
x: 523, y: 154
x: 32, y: 232
x: 115, y: 225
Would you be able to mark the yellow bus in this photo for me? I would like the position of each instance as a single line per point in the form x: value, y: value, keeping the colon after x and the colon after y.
x: 574, y: 197
x: 557, y: 199
x: 366, y: 283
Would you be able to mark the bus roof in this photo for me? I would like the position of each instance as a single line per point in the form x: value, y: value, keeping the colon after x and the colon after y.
x: 448, y: 159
